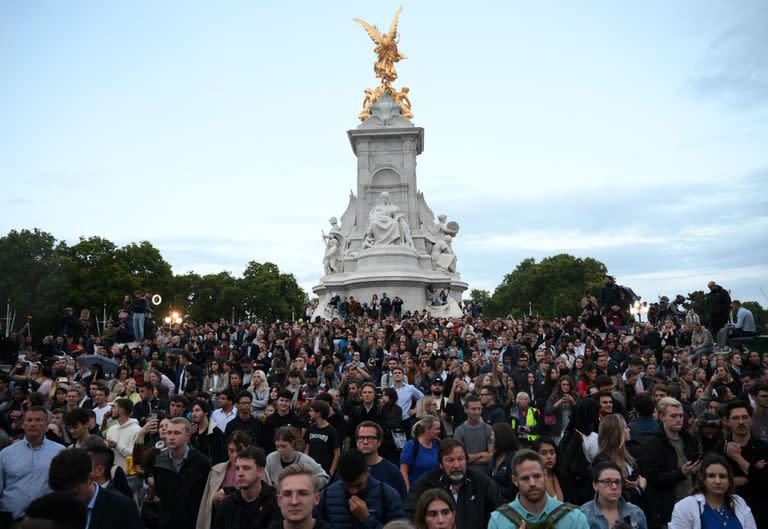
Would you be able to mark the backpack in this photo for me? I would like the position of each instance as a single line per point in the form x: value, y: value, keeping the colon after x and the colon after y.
x: 550, y: 522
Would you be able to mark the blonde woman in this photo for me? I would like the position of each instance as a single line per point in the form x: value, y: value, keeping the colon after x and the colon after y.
x: 612, y: 440
x: 419, y: 455
x: 259, y: 388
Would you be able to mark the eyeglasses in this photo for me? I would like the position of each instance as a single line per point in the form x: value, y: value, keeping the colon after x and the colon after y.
x: 369, y: 438
x: 610, y: 482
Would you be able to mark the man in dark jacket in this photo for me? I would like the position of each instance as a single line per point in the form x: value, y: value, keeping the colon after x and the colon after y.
x: 180, y: 476
x: 254, y: 504
x: 207, y: 437
x: 367, y: 411
x: 70, y: 473
x: 478, y: 495
x: 719, y: 306
x: 610, y: 294
x: 668, y: 459
x: 283, y: 416
x: 357, y: 500
x: 493, y: 410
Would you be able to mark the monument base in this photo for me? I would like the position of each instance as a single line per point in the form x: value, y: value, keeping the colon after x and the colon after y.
x: 398, y: 271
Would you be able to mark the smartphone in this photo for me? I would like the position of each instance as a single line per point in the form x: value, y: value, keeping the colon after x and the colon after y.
x: 152, y: 416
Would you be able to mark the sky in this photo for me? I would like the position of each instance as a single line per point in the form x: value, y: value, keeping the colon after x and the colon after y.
x: 634, y: 133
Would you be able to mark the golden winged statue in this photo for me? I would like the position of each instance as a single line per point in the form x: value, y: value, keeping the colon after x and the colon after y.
x: 384, y: 68
x: 386, y: 49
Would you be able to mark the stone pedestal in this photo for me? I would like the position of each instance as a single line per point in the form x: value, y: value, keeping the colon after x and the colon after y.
x: 386, y: 146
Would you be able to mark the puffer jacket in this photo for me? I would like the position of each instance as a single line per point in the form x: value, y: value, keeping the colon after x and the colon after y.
x: 383, y: 502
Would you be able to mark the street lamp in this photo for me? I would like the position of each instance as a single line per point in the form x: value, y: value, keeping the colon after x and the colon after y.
x: 173, y: 317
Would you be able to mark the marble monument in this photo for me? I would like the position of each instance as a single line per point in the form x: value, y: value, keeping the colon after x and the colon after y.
x: 388, y: 239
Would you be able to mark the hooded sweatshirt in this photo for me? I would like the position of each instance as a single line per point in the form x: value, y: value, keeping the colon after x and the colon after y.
x: 125, y: 437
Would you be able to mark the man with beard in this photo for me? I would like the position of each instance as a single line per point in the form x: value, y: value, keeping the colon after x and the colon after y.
x: 206, y: 436
x: 533, y: 505
x: 748, y: 455
x: 476, y: 494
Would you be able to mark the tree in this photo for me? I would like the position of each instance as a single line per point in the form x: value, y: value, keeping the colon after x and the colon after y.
x: 32, y: 277
x: 101, y: 273
x: 483, y: 296
x: 269, y: 294
x: 553, y: 287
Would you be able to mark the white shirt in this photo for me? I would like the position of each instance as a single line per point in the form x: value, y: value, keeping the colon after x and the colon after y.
x: 222, y: 419
x: 100, y: 413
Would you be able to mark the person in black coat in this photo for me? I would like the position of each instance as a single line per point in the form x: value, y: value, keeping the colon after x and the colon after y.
x: 719, y: 307
x: 207, y: 437
x: 70, y: 473
x: 478, y: 494
x: 180, y: 489
x: 668, y: 458
x: 254, y: 504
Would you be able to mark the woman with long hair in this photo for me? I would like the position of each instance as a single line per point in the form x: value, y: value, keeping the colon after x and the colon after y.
x: 123, y: 373
x: 129, y: 391
x: 557, y: 481
x: 391, y: 422
x: 502, y: 382
x: 708, y: 432
x: 419, y: 455
x: 215, y: 381
x: 612, y: 446
x: 436, y: 510
x: 578, y: 366
x: 499, y: 468
x: 549, y: 384
x: 587, y: 378
x: 712, y: 504
x: 221, y: 479
x: 427, y: 407
x: 261, y: 392
x: 560, y: 405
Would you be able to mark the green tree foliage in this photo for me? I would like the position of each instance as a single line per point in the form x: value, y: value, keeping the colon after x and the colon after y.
x: 483, y: 296
x: 554, y: 286
x: 42, y: 276
x: 697, y: 300
x: 33, y: 276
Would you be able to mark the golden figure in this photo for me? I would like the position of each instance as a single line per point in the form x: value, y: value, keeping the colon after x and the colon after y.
x: 401, y: 99
x: 384, y: 68
x: 386, y: 49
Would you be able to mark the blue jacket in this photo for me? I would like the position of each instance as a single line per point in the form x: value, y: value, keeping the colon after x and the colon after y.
x: 630, y: 513
x: 383, y: 502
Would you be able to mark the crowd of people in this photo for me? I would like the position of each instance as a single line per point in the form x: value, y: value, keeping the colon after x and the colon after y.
x: 381, y: 418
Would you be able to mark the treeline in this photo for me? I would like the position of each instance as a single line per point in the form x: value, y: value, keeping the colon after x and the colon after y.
x: 42, y: 276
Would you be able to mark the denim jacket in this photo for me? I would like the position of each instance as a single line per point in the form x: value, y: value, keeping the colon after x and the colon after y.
x: 630, y: 513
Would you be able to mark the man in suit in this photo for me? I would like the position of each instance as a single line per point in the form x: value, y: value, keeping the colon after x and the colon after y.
x: 70, y: 473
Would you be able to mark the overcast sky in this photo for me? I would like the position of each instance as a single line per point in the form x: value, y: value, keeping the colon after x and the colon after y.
x: 635, y: 133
